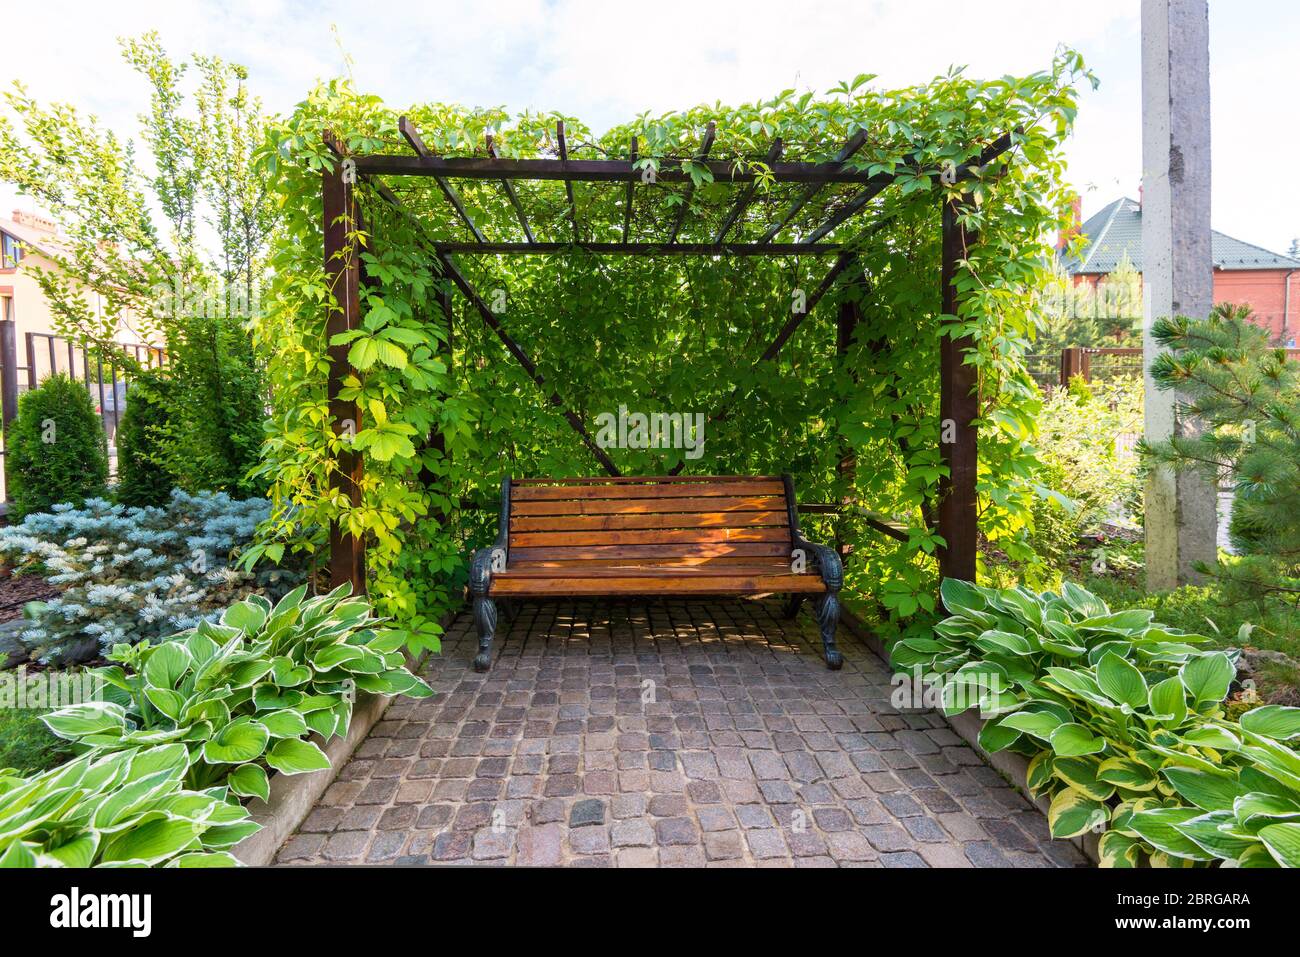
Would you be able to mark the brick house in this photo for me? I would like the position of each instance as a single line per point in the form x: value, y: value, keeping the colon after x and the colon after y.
x: 1243, y: 274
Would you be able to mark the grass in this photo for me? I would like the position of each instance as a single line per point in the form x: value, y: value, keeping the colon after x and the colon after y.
x: 27, y: 745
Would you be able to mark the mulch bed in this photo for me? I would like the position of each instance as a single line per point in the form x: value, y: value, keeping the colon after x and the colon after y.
x: 18, y: 590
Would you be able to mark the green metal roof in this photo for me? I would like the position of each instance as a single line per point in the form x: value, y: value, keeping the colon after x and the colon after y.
x: 1116, y: 231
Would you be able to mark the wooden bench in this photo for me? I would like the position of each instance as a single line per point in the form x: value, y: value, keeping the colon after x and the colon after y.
x: 677, y: 535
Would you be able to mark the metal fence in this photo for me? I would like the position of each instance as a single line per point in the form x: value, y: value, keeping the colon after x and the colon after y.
x: 1053, y: 369
x: 27, y: 360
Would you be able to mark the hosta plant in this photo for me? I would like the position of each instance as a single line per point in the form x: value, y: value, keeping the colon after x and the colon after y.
x: 244, y: 693
x: 124, y: 809
x: 1235, y: 802
x: 997, y: 644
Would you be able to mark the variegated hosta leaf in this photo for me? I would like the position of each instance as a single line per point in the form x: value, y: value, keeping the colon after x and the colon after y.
x: 1072, y: 813
x: 1118, y: 850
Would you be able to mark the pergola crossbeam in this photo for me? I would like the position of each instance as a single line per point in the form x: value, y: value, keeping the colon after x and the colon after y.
x: 852, y: 146
x: 700, y: 157
x: 648, y: 249
x: 509, y: 190
x: 412, y: 137
x: 746, y: 197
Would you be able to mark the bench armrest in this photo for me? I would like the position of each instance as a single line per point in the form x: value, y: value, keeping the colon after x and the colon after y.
x: 480, y: 566
x: 826, y: 558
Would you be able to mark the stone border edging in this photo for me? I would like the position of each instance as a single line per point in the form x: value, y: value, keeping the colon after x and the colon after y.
x: 1014, y: 767
x: 294, y: 795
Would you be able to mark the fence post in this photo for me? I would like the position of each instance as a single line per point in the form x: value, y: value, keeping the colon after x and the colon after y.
x: 1071, y: 364
x: 8, y: 367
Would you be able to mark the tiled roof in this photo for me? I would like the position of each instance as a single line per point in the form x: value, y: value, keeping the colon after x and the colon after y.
x: 1116, y: 231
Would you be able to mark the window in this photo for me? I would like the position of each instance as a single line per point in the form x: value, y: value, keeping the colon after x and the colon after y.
x: 11, y: 251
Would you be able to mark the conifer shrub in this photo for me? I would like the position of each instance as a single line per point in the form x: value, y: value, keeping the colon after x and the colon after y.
x: 55, y: 451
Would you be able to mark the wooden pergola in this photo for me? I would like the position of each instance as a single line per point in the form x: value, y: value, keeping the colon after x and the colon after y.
x: 856, y: 188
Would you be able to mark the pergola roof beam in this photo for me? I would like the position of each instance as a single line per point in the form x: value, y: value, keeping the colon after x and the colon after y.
x: 510, y: 190
x: 594, y: 171
x: 700, y: 157
x: 412, y: 137
x: 568, y: 183
x: 852, y: 146
x: 649, y: 249
x: 773, y: 154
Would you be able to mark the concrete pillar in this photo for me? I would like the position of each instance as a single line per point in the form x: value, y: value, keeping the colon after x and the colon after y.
x: 1177, y: 269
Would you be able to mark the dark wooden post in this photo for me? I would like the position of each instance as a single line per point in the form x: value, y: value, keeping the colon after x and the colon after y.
x: 1071, y: 364
x: 846, y: 325
x: 343, y: 273
x: 8, y: 366
x: 958, y: 408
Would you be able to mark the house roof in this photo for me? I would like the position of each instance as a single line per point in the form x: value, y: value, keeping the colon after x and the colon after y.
x: 1116, y: 231
x: 35, y: 239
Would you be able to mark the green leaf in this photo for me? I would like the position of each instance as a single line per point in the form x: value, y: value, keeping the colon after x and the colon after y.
x: 1208, y: 678
x: 1121, y: 682
x: 1039, y: 724
x: 291, y: 756
x: 1118, y: 850
x: 1127, y: 773
x: 1211, y: 792
x: 1273, y: 721
x: 1168, y: 700
x: 245, y: 616
x: 167, y: 662
x: 1072, y: 813
x: 1156, y: 827
x: 242, y: 740
x: 1073, y: 739
x: 283, y: 724
x: 92, y: 717
x: 249, y: 780
x: 151, y: 842
x: 1283, y: 842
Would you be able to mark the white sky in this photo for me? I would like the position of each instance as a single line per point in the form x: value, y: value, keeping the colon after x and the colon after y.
x: 607, y: 61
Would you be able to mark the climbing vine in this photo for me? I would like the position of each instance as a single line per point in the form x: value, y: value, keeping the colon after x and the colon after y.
x: 681, y: 334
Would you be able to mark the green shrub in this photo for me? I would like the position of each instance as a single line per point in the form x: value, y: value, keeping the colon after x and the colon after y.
x: 143, y: 477
x: 1087, y: 479
x: 56, y: 450
x: 130, y: 574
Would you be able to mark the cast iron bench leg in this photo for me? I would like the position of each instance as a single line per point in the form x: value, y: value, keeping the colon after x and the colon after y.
x: 485, y: 620
x: 792, y: 604
x: 828, y: 616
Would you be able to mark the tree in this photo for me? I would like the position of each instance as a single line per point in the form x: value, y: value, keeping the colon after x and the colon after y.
x: 134, y: 234
x: 1247, y: 395
x: 56, y: 448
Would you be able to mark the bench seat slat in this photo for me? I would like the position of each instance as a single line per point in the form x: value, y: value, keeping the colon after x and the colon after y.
x: 650, y: 506
x: 641, y: 585
x: 532, y: 493
x: 651, y: 536
x: 640, y: 520
x: 699, y: 549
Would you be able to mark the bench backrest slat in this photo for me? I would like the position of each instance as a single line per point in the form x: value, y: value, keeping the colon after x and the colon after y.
x: 669, y: 520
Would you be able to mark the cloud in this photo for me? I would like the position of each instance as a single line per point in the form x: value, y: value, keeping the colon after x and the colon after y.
x: 607, y: 61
